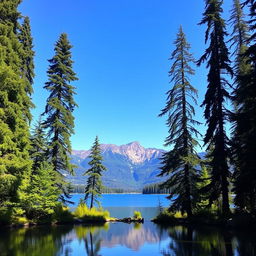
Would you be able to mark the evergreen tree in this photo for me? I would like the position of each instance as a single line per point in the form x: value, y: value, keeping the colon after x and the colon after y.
x: 180, y: 162
x: 215, y: 112
x: 39, y: 147
x: 28, y: 56
x: 59, y: 121
x: 242, y: 69
x: 245, y: 122
x: 42, y: 195
x: 239, y: 34
x: 94, y: 186
x: 15, y: 165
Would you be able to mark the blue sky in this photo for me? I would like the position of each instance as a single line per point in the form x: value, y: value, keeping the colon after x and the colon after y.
x: 121, y: 51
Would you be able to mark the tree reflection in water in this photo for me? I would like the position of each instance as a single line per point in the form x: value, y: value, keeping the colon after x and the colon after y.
x: 90, y: 235
x: 36, y: 241
x: 188, y: 241
x: 124, y: 239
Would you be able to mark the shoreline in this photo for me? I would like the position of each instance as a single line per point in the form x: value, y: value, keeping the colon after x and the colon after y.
x: 128, y: 193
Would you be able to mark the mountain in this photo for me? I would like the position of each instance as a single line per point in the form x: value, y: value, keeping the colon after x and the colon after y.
x: 129, y: 166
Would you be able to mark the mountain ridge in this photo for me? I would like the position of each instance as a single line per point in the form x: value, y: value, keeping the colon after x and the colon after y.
x: 133, y: 150
x: 129, y: 166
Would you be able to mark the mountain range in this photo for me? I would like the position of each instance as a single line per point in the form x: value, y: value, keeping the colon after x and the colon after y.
x: 129, y: 167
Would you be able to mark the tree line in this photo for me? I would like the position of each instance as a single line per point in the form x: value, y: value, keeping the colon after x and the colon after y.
x: 230, y: 159
x: 32, y: 162
x: 155, y: 189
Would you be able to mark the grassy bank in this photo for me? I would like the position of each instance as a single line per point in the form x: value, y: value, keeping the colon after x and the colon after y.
x: 206, y: 217
x: 60, y: 215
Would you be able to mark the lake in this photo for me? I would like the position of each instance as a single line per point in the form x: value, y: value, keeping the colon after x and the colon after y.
x: 126, y: 239
x: 123, y: 205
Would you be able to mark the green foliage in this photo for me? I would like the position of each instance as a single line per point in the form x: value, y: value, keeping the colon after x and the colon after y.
x: 28, y: 57
x: 105, y: 190
x: 239, y: 34
x: 137, y: 215
x: 15, y: 104
x: 38, y: 144
x: 155, y: 189
x: 60, y: 105
x: 167, y: 216
x: 90, y: 214
x: 179, y: 164
x: 244, y: 118
x: 42, y: 195
x: 203, y: 182
x: 5, y: 215
x: 12, y: 214
x: 218, y: 62
x: 94, y: 186
x: 207, y: 214
x: 62, y: 214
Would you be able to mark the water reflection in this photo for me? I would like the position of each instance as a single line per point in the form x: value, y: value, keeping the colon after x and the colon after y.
x: 124, y: 239
x: 187, y: 241
x: 34, y: 241
x: 90, y: 235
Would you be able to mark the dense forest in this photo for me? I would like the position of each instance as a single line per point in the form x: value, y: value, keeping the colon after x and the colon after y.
x: 33, y: 157
x: 196, y: 183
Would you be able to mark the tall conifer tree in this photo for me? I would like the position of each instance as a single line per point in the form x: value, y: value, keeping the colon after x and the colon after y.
x: 217, y: 57
x: 15, y: 103
x: 60, y: 105
x: 94, y: 186
x: 245, y: 98
x: 180, y: 162
x: 242, y: 69
x: 26, y: 40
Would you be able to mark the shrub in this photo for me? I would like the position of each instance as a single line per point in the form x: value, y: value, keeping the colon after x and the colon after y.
x: 137, y: 215
x: 168, y: 217
x: 206, y: 213
x: 5, y: 215
x: 20, y: 220
x: 62, y: 214
x: 91, y: 215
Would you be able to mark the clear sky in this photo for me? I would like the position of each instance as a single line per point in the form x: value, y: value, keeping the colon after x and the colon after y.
x: 121, y: 51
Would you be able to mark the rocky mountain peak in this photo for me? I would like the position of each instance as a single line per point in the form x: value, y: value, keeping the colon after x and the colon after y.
x: 136, y: 153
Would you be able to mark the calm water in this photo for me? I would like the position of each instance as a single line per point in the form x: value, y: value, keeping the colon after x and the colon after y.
x: 123, y: 205
x: 117, y: 239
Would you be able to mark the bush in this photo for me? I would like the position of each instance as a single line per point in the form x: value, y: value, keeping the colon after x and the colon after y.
x: 206, y: 214
x: 137, y: 215
x: 12, y: 215
x: 5, y: 215
x: 20, y: 220
x: 168, y: 217
x: 90, y: 215
x: 62, y: 214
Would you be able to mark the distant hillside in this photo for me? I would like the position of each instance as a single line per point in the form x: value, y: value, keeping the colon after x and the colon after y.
x: 130, y: 166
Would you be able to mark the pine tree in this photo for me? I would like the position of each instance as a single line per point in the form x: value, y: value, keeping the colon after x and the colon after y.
x: 245, y: 99
x: 239, y: 34
x: 28, y: 56
x: 242, y: 69
x: 41, y: 197
x: 39, y: 147
x: 215, y: 112
x: 180, y: 162
x: 94, y: 186
x: 15, y: 165
x: 60, y: 105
